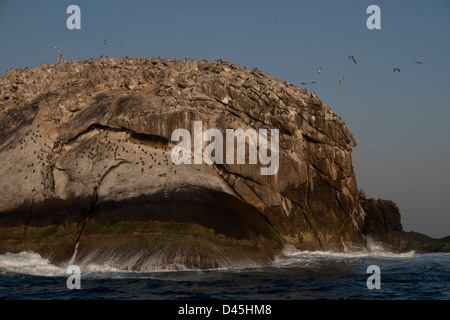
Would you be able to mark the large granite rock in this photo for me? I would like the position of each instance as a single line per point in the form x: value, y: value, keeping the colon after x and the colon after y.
x: 85, y: 149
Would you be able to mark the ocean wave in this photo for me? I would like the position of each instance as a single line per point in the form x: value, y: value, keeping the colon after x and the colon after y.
x: 294, y: 257
x: 31, y: 263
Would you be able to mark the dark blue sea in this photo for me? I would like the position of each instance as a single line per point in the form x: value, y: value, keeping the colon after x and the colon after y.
x: 293, y: 275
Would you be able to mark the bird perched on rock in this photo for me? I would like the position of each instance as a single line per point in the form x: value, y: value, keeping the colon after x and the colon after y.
x: 396, y: 69
x: 59, y: 53
x: 320, y: 70
x: 341, y: 80
x: 352, y: 58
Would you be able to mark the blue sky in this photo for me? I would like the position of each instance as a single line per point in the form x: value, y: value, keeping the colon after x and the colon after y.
x: 399, y: 120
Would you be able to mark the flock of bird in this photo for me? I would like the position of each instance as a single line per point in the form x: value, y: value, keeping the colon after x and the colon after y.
x: 354, y: 60
x: 104, y: 42
x: 303, y: 83
x: 110, y: 148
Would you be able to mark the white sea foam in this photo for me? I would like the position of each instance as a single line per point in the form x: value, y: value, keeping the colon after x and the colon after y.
x: 33, y: 264
x: 28, y: 262
x: 74, y: 254
x: 292, y: 256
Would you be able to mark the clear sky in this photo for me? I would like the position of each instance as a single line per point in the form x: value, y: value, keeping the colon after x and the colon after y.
x: 400, y: 120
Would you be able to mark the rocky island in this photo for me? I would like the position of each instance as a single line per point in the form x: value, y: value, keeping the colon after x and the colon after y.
x: 383, y: 224
x: 87, y: 174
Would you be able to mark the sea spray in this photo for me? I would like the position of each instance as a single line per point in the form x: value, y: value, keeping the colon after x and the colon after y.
x: 294, y: 257
x: 71, y: 261
x: 28, y: 262
x: 309, y: 276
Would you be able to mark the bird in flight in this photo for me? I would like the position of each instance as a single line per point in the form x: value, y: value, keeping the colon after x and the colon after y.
x: 122, y: 44
x: 341, y: 80
x: 304, y: 84
x: 418, y: 62
x: 313, y: 82
x: 396, y: 69
x: 320, y: 70
x: 352, y: 58
x: 104, y: 41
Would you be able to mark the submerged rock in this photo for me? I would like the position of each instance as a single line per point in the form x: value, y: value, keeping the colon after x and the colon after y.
x: 86, y: 149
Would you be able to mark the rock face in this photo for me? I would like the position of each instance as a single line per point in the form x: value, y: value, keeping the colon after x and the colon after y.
x: 382, y: 217
x: 85, y: 149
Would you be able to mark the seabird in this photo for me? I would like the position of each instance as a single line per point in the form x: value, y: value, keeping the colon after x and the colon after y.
x: 341, y: 80
x: 304, y: 83
x: 104, y: 41
x: 122, y: 44
x: 320, y: 70
x: 352, y: 58
x: 313, y: 82
x: 418, y: 62
x: 59, y: 52
x: 396, y: 69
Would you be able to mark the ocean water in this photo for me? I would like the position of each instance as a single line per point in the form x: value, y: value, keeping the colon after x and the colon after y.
x: 293, y: 275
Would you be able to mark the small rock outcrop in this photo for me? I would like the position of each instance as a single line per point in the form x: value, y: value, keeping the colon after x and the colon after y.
x: 383, y: 224
x: 382, y: 217
x: 86, y: 149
